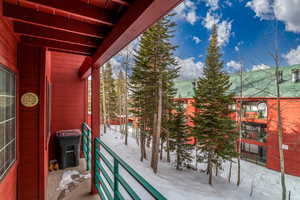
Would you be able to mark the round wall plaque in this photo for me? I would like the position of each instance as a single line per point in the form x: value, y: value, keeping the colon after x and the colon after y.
x: 29, y: 99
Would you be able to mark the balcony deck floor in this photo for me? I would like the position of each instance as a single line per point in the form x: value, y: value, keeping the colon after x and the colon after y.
x: 78, y: 191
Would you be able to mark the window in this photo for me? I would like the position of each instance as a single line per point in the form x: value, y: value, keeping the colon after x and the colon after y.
x: 7, y: 120
x: 254, y: 131
x: 254, y: 109
x: 253, y: 152
x: 232, y: 107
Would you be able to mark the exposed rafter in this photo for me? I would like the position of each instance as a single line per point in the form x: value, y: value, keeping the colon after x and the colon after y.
x: 57, y: 35
x: 60, y: 46
x: 80, y: 9
x: 32, y: 16
x: 121, y: 2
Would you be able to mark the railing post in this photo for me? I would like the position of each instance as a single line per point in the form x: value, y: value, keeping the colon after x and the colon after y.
x: 116, y: 182
x: 95, y: 121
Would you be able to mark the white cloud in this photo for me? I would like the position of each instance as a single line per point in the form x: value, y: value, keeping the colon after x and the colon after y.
x: 228, y: 3
x: 116, y: 66
x: 210, y: 20
x: 223, y: 27
x: 293, y: 56
x: 286, y: 11
x: 224, y: 32
x: 131, y: 47
x: 187, y: 11
x: 233, y: 64
x: 213, y: 4
x: 237, y: 47
x: 259, y: 67
x: 196, y: 39
x: 189, y: 68
x: 262, y: 8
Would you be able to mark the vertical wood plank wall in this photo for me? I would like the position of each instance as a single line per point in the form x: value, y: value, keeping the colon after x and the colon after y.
x: 68, y: 94
x: 8, y: 58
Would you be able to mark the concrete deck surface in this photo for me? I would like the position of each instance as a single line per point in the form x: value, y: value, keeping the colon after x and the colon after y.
x: 74, y: 191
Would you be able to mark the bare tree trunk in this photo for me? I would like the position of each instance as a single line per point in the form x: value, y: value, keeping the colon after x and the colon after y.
x: 196, y: 157
x: 126, y: 99
x: 279, y: 125
x: 177, y: 159
x: 240, y: 127
x: 229, y: 175
x: 209, y: 166
x: 143, y: 143
x: 104, y: 102
x: 137, y: 135
x: 156, y: 138
x: 168, y: 147
x: 161, y: 149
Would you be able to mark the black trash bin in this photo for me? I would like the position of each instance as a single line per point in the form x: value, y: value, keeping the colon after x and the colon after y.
x: 68, y: 148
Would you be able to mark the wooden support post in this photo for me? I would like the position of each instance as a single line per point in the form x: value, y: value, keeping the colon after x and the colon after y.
x: 95, y: 120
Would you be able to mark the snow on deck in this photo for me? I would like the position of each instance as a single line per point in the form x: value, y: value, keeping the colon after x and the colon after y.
x: 191, y: 185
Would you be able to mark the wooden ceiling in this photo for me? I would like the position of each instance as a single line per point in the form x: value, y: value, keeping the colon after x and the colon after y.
x: 74, y: 26
x: 98, y: 29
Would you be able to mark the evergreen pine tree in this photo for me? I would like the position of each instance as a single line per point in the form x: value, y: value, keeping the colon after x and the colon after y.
x: 214, y: 130
x: 179, y: 137
x: 154, y: 70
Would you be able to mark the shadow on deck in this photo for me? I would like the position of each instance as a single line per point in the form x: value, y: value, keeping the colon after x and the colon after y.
x: 75, y: 187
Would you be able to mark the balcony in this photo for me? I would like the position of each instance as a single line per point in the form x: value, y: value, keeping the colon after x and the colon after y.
x: 255, y: 111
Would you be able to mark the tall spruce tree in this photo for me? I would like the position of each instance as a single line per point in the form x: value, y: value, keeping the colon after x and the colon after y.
x: 214, y: 130
x: 154, y: 70
x: 179, y: 137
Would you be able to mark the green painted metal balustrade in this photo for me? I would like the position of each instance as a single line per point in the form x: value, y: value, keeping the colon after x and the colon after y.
x: 117, y: 179
x: 86, y: 144
x: 110, y: 188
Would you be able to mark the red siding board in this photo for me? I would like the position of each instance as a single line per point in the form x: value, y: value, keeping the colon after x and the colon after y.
x: 8, y: 58
x: 68, y: 94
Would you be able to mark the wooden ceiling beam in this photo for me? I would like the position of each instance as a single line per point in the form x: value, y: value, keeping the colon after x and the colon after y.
x: 60, y: 46
x: 52, y: 34
x: 80, y: 9
x: 121, y: 2
x: 28, y: 15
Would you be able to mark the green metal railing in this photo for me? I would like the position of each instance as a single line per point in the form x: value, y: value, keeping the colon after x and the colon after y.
x: 117, y: 180
x: 86, y: 144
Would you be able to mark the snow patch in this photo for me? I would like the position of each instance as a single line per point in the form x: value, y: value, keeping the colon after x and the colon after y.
x: 69, y: 177
x: 190, y: 184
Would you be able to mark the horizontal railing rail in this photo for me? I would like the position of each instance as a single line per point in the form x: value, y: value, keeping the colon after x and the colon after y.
x: 86, y: 144
x: 113, y: 183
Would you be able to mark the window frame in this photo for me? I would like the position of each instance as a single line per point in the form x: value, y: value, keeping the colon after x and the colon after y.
x: 8, y: 168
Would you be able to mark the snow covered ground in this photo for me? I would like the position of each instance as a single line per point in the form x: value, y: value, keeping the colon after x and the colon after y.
x: 191, y: 185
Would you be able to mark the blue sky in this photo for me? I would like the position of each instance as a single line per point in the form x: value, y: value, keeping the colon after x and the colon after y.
x: 246, y: 33
x: 247, y: 28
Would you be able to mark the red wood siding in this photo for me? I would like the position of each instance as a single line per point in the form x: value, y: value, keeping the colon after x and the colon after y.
x: 8, y: 57
x: 68, y: 94
x: 290, y: 109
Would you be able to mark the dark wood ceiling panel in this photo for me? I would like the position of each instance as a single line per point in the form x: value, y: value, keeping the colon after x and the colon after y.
x: 81, y: 9
x: 52, y: 34
x: 29, y: 15
x: 66, y: 47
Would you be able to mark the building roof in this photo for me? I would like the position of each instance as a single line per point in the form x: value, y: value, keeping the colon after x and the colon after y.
x: 259, y: 83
